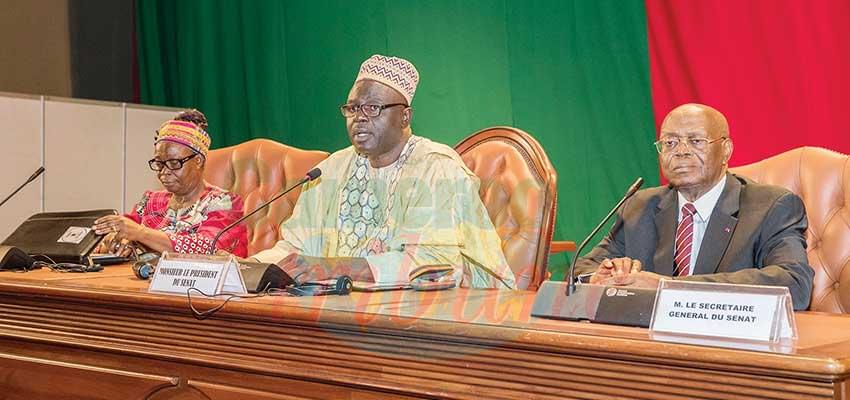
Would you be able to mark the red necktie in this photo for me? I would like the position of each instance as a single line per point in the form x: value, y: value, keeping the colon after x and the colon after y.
x: 684, y: 241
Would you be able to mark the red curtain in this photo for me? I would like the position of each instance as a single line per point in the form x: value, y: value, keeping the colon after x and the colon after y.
x: 778, y: 69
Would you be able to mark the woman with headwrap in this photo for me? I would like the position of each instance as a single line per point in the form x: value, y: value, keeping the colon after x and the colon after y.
x: 189, y: 213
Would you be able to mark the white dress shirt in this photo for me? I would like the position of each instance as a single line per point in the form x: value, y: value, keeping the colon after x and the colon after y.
x: 704, y: 205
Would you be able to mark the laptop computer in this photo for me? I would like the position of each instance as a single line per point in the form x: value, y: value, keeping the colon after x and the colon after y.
x: 61, y: 236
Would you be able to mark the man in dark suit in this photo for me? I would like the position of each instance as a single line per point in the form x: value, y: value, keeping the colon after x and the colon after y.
x: 707, y: 224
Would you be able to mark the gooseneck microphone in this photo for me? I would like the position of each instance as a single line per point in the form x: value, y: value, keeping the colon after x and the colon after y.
x: 310, y: 176
x: 11, y: 256
x: 571, y: 285
x: 32, y: 177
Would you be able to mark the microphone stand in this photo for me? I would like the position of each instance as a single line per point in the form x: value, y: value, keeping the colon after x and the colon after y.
x: 11, y: 256
x: 32, y: 177
x: 571, y: 285
x: 596, y: 303
x: 310, y: 176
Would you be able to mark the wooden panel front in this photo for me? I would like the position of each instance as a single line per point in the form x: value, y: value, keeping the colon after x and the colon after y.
x: 25, y: 377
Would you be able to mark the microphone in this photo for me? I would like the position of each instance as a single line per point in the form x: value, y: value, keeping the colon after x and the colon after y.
x: 312, y: 175
x: 11, y: 256
x: 32, y: 177
x: 571, y: 285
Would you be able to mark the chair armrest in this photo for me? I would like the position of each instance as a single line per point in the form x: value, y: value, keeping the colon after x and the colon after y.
x: 560, y: 246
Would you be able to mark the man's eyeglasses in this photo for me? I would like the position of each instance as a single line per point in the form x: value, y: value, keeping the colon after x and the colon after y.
x: 369, y: 110
x: 667, y: 145
x: 173, y: 164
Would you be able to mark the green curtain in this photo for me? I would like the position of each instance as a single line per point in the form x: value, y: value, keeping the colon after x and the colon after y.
x: 574, y: 74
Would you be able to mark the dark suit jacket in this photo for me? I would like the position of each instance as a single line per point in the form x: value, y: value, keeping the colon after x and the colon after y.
x: 756, y: 235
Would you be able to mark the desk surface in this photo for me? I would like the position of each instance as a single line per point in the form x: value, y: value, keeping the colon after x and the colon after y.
x: 458, y: 343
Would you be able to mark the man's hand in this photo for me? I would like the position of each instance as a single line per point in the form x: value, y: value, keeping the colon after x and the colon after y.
x: 615, y: 271
x: 642, y: 279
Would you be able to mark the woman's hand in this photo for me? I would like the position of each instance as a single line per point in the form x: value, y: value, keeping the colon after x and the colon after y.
x: 120, y: 227
x: 112, y: 244
x: 105, y: 245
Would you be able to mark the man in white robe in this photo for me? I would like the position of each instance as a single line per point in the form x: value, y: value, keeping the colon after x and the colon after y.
x: 393, y: 207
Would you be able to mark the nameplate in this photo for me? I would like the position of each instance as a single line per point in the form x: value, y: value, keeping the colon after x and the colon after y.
x: 745, y: 312
x: 177, y: 273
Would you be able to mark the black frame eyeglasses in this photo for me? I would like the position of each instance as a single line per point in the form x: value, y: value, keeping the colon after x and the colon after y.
x: 172, y: 164
x: 669, y: 144
x: 369, y: 110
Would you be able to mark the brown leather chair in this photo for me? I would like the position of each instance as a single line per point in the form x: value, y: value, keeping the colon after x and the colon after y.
x: 519, y: 190
x: 820, y: 177
x: 257, y: 170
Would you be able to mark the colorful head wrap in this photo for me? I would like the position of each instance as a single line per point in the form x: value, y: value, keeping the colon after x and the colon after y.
x: 185, y: 133
x: 394, y: 72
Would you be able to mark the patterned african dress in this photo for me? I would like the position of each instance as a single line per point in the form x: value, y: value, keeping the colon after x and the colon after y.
x: 423, y: 210
x: 193, y: 228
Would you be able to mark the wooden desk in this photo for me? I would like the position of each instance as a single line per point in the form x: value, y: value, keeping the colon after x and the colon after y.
x: 101, y: 336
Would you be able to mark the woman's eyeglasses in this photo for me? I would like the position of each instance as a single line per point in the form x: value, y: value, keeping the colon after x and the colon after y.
x: 173, y: 164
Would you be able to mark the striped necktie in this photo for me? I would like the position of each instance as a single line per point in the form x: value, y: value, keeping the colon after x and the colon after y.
x: 684, y: 241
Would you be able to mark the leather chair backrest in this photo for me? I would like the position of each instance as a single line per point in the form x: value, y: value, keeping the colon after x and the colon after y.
x: 257, y: 170
x: 820, y: 177
x: 518, y: 188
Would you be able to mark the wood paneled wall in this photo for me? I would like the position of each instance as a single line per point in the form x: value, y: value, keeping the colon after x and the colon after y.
x: 94, y: 153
